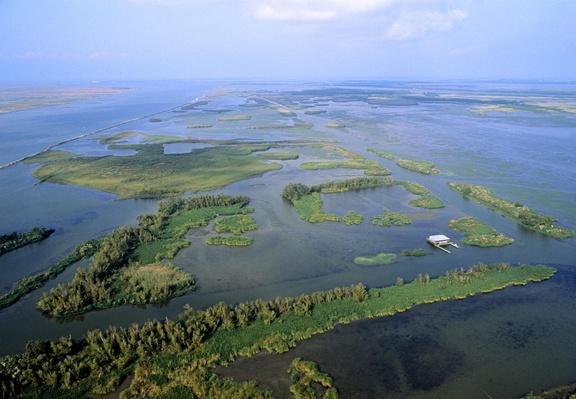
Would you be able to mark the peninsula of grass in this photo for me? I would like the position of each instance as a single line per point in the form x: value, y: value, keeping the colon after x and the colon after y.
x: 306, y: 379
x: 522, y: 214
x: 151, y: 174
x: 389, y: 219
x: 236, y: 224
x: 174, y: 358
x: 352, y: 161
x: 479, y: 234
x: 383, y: 258
x: 12, y: 241
x: 425, y: 199
x: 423, y: 167
x: 30, y: 283
x: 353, y: 218
x: 309, y: 208
x: 127, y: 267
x: 230, y: 241
x: 234, y: 118
x: 383, y: 154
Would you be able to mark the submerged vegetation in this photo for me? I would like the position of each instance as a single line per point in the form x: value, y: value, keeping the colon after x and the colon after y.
x: 479, y: 234
x: 423, y: 167
x: 304, y: 375
x: 28, y: 284
x: 151, y: 173
x: 172, y: 358
x: 525, y: 216
x: 10, y: 242
x: 126, y: 269
x: 389, y: 219
x: 383, y: 258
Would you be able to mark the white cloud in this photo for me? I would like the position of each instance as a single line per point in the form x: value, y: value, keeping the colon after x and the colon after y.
x: 315, y: 10
x: 412, y: 25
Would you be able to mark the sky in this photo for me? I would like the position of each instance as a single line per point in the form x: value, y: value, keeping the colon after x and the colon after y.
x: 65, y: 40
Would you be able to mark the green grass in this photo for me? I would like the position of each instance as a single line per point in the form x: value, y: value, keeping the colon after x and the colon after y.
x: 179, y: 369
x: 479, y: 234
x: 279, y: 156
x: 383, y: 154
x: 382, y: 258
x: 389, y: 219
x: 371, y: 168
x: 425, y: 199
x: 309, y: 208
x: 352, y: 218
x: 151, y: 173
x: 522, y: 214
x: 423, y: 167
x: 141, y: 284
x: 236, y: 224
x: 382, y: 302
x: 230, y: 241
x: 172, y: 238
x: 306, y: 379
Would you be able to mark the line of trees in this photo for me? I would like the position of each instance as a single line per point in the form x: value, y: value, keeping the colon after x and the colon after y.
x: 10, y: 242
x: 65, y: 362
x: 295, y: 191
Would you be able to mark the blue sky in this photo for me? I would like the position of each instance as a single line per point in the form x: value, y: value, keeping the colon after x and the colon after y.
x: 278, y: 39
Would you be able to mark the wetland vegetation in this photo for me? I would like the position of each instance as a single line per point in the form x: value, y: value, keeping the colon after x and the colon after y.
x: 12, y: 241
x: 351, y: 160
x: 173, y: 358
x: 352, y: 218
x: 522, y: 214
x: 236, y: 224
x: 150, y: 173
x: 230, y: 241
x: 389, y: 219
x: 29, y: 283
x: 306, y: 378
x: 423, y: 167
x: 127, y: 268
x: 479, y: 234
x: 425, y: 199
x: 308, y: 202
x: 383, y: 258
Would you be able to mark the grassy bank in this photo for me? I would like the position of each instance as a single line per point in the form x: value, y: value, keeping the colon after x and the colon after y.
x: 172, y: 358
x: 351, y: 160
x: 522, y: 214
x: 479, y: 234
x: 151, y: 173
x: 12, y: 241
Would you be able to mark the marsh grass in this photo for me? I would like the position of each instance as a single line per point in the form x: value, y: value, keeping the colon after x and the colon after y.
x: 522, y: 214
x: 479, y: 234
x: 236, y: 224
x: 422, y: 167
x: 382, y: 258
x: 150, y: 173
x: 389, y: 219
x: 230, y: 241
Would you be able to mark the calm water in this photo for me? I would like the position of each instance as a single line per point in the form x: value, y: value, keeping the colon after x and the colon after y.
x: 502, y: 345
